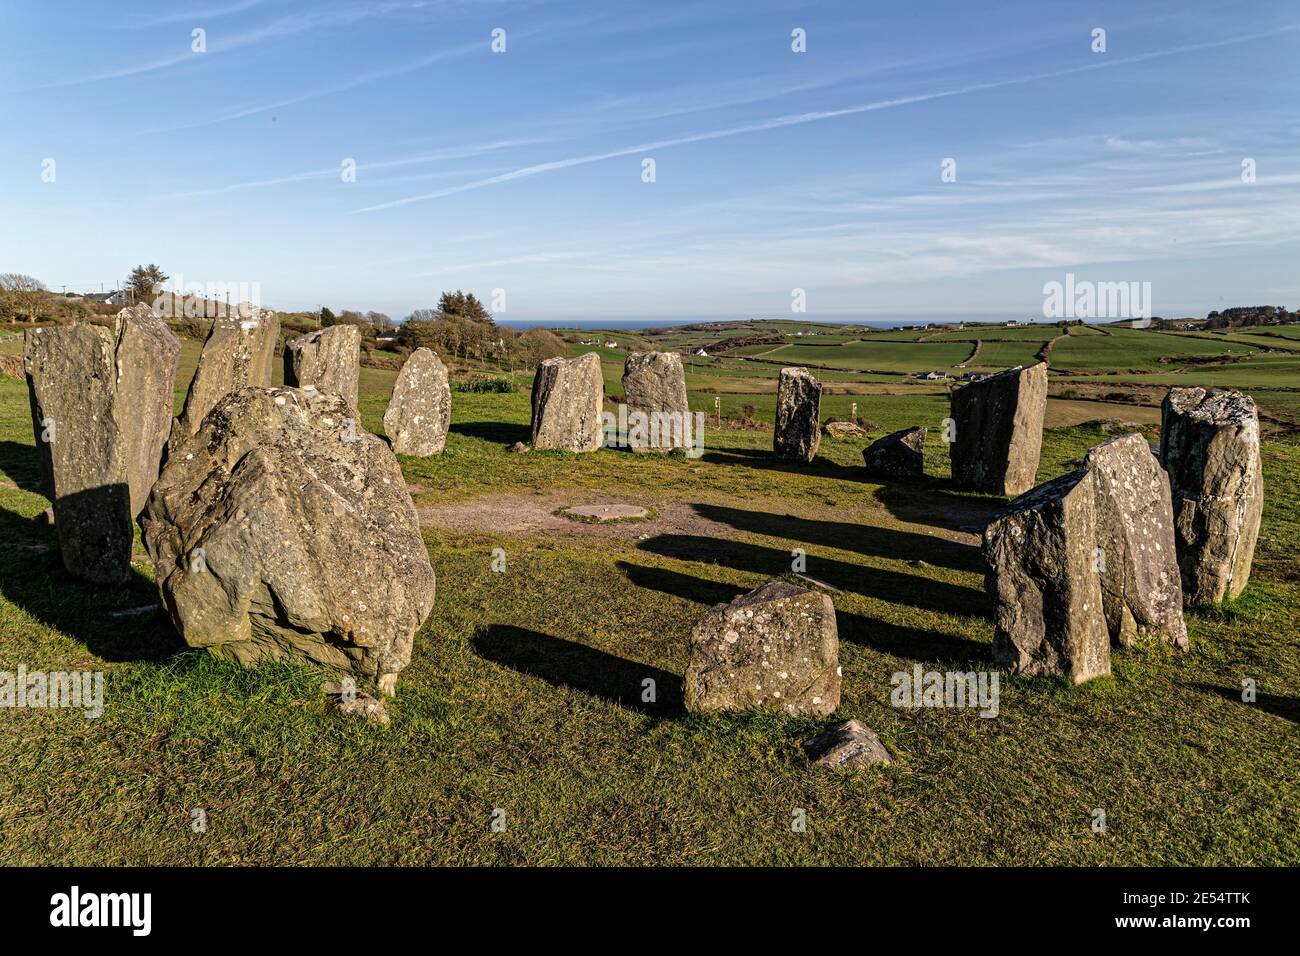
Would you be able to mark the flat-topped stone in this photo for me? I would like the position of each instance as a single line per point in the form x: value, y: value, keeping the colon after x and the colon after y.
x: 607, y: 512
x: 996, y: 432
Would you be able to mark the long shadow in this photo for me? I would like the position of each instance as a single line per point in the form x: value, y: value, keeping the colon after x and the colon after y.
x: 33, y: 577
x: 891, y: 586
x: 503, y: 433
x: 896, y: 640
x: 850, y: 536
x: 565, y: 663
x: 760, y: 458
x: 1275, y: 704
x: 23, y: 466
x: 940, y: 505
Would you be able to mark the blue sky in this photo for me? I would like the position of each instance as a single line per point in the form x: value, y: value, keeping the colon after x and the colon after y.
x: 774, y: 170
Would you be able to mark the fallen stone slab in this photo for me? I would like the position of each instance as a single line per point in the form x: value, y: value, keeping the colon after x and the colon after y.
x: 419, y: 412
x: 238, y: 352
x: 898, y: 456
x: 845, y: 746
x: 996, y: 431
x: 654, y: 385
x: 277, y: 531
x: 774, y: 648
x: 1041, y: 551
x: 1209, y: 444
x: 101, y: 409
x: 798, y: 414
x: 1141, y: 587
x: 328, y: 359
x: 607, y: 513
x: 568, y: 397
x: 843, y: 430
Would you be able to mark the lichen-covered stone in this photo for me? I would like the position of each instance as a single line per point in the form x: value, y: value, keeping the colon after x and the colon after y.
x: 239, y: 352
x: 843, y: 430
x: 278, y: 530
x: 328, y: 359
x: 775, y: 648
x: 897, y: 456
x: 568, y: 396
x: 1041, y: 554
x: 996, y: 433
x: 1141, y: 587
x: 846, y: 745
x: 798, y: 415
x: 654, y: 384
x: 101, y: 410
x: 1209, y: 444
x: 419, y: 413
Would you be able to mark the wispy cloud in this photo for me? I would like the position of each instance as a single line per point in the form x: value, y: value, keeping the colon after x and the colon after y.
x: 798, y: 119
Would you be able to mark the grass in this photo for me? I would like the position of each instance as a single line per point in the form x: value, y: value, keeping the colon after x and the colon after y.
x: 525, y: 688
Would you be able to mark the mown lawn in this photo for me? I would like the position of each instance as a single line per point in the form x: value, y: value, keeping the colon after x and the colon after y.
x: 524, y: 692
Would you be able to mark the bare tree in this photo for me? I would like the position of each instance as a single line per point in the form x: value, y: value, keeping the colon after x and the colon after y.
x: 22, y: 294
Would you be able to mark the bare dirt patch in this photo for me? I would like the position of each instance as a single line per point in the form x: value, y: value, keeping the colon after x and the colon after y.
x: 528, y: 513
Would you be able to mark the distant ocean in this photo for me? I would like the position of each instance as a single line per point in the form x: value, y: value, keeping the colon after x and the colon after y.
x: 874, y: 322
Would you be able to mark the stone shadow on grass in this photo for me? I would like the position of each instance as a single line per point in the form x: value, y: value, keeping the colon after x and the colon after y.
x: 850, y: 536
x: 501, y: 433
x: 892, y: 586
x: 941, y: 505
x: 820, y: 466
x: 1275, y: 704
x: 23, y: 466
x: 566, y: 663
x: 895, y: 640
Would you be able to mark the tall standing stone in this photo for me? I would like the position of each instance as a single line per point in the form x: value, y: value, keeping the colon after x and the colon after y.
x: 239, y: 352
x: 997, y: 431
x: 328, y: 359
x: 1209, y: 444
x: 654, y: 385
x: 277, y: 531
x: 1041, y: 554
x: 568, y: 396
x: 419, y: 413
x: 101, y: 405
x: 775, y: 648
x: 798, y: 415
x: 1141, y: 587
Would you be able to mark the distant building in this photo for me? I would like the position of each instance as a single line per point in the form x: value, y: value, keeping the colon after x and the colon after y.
x: 701, y: 353
x: 611, y: 344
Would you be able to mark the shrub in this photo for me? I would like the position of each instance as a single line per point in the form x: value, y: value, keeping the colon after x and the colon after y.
x: 485, y: 383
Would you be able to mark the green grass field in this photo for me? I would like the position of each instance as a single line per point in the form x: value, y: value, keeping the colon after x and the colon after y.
x: 524, y: 690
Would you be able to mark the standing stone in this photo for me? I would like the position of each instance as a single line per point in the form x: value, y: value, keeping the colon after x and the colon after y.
x: 101, y: 406
x: 897, y: 456
x: 419, y: 413
x: 775, y: 648
x: 1209, y: 444
x: 277, y: 531
x: 798, y: 415
x: 997, y: 431
x: 239, y: 352
x: 568, y: 396
x: 1141, y: 589
x: 1041, y: 554
x: 654, y: 385
x: 328, y: 359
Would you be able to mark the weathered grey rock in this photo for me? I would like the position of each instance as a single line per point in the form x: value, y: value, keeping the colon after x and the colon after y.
x: 1141, y: 589
x: 239, y: 352
x: 897, y: 456
x: 279, y: 530
x: 328, y: 359
x: 996, y: 432
x: 568, y: 395
x: 775, y: 648
x: 1209, y: 444
x: 519, y: 448
x: 843, y: 430
x: 419, y: 413
x: 798, y: 415
x: 654, y: 385
x: 1041, y: 554
x: 101, y: 403
x: 345, y: 700
x: 846, y: 745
